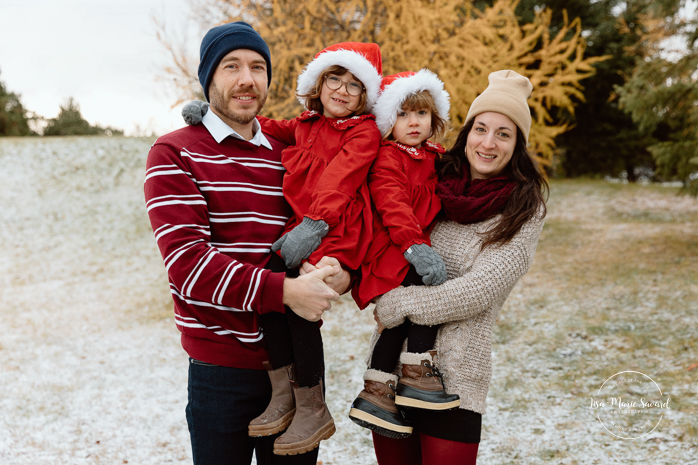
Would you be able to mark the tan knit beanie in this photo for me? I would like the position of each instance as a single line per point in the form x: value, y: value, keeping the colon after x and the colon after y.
x: 506, y: 94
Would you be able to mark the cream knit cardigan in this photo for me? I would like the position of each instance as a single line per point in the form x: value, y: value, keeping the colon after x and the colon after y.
x: 467, y: 305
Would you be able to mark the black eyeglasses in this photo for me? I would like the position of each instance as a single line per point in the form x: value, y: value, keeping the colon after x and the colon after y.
x: 353, y: 88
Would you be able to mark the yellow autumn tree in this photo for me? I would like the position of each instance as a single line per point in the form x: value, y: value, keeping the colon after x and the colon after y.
x: 450, y: 37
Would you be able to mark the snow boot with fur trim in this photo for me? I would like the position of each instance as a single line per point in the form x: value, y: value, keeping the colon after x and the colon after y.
x: 375, y: 408
x: 279, y: 413
x: 311, y: 424
x: 421, y: 384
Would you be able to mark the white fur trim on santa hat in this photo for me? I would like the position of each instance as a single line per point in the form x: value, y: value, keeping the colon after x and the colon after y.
x: 356, y: 63
x: 394, y: 95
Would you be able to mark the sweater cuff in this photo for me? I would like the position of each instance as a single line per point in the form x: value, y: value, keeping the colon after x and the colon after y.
x: 388, y: 312
x: 272, y: 299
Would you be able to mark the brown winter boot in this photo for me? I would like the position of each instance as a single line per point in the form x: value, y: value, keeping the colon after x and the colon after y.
x: 421, y: 384
x: 311, y: 424
x: 281, y: 409
x: 375, y: 407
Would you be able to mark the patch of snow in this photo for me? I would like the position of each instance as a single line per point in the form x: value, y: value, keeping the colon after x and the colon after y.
x: 92, y: 371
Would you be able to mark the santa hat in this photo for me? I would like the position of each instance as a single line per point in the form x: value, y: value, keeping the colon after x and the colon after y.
x: 362, y: 60
x: 397, y: 87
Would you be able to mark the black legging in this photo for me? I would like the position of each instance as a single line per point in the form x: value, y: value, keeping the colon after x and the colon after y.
x: 291, y: 338
x: 419, y: 338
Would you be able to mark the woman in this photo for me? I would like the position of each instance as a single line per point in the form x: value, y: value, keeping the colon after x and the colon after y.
x: 493, y: 200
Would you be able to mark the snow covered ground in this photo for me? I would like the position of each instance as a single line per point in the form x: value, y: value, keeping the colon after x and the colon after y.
x: 91, y: 370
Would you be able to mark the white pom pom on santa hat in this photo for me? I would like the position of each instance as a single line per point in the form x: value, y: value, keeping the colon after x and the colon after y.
x: 363, y: 60
x: 397, y: 87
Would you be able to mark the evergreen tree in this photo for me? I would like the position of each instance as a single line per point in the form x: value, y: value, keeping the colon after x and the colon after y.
x: 459, y: 42
x: 70, y: 122
x: 603, y: 139
x: 662, y: 96
x: 13, y: 117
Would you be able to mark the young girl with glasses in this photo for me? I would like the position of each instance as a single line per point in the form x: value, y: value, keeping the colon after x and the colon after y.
x: 331, y: 148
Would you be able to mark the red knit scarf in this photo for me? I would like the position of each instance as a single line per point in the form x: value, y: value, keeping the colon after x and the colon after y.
x: 467, y: 201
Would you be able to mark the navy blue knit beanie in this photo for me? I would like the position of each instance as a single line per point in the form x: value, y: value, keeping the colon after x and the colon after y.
x: 221, y: 40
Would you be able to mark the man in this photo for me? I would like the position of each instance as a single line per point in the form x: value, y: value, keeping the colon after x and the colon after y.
x: 214, y: 197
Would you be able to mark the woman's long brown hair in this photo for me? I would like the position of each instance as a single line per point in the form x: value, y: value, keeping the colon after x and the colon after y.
x: 527, y: 198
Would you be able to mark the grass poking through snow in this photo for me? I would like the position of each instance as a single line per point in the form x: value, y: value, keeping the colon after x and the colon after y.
x: 92, y: 372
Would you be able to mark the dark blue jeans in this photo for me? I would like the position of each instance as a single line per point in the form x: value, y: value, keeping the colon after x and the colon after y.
x: 222, y: 402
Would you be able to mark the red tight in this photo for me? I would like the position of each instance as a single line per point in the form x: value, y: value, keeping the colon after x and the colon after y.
x: 420, y: 449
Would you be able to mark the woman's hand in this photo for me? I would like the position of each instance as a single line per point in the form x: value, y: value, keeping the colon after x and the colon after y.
x: 380, y: 327
x: 339, y: 282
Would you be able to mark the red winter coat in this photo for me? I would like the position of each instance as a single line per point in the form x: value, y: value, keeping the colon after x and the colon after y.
x: 326, y: 179
x: 403, y: 189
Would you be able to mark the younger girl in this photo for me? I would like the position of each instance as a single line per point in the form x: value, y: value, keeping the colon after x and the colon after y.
x: 331, y: 148
x: 412, y: 108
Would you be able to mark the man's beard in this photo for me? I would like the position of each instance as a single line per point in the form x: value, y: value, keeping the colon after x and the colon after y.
x: 221, y: 106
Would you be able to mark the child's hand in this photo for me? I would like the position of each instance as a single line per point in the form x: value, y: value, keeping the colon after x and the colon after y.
x: 193, y: 112
x: 303, y: 240
x: 428, y: 264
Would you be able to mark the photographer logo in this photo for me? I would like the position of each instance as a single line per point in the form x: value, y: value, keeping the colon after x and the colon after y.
x: 629, y: 405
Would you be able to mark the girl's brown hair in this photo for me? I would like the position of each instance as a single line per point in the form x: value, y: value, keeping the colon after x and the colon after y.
x: 424, y: 101
x: 312, y: 98
x: 527, y: 198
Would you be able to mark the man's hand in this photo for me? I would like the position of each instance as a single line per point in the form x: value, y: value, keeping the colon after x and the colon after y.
x: 308, y: 296
x: 338, y: 282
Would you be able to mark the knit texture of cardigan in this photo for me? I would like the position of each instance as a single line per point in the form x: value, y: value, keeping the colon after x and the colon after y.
x: 467, y: 305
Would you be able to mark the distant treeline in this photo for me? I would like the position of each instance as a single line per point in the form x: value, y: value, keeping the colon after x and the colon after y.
x: 17, y: 121
x: 612, y: 96
x: 615, y: 81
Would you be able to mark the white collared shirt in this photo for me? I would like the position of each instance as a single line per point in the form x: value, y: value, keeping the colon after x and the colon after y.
x: 220, y: 130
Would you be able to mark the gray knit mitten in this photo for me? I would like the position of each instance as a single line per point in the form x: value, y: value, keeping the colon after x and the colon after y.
x: 301, y: 241
x: 429, y: 265
x: 193, y: 112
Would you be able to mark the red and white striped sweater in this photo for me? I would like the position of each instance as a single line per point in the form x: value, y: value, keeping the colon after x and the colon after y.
x: 215, y: 210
